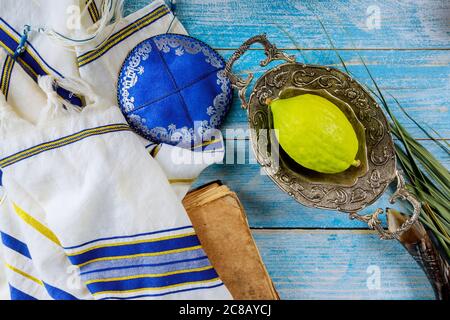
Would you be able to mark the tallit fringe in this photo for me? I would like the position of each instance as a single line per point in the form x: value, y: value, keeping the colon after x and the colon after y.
x: 79, y: 87
x: 112, y: 13
x: 54, y: 107
x: 57, y: 106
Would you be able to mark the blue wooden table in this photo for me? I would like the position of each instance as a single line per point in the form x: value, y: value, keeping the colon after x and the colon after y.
x: 310, y: 253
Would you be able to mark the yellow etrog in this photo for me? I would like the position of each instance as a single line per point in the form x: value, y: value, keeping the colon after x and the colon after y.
x: 315, y: 133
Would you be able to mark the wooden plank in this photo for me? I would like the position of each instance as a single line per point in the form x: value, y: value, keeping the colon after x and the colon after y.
x: 339, y: 264
x: 419, y: 80
x: 403, y: 25
x: 411, y: 24
x: 268, y: 207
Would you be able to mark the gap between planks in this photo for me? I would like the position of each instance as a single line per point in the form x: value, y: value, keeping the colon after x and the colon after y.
x: 309, y: 228
x: 341, y: 49
x: 395, y: 140
x: 313, y: 231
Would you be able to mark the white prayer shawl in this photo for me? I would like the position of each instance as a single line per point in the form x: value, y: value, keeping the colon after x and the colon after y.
x: 45, y: 209
x: 4, y: 289
x: 81, y: 181
x: 97, y: 62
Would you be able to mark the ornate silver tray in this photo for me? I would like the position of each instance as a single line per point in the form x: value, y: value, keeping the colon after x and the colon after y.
x: 349, y: 191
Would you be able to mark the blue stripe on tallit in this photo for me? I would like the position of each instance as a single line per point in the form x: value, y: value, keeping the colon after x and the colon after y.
x: 17, y: 294
x: 154, y: 266
x: 15, y: 244
x: 153, y: 283
x: 162, y: 294
x: 122, y: 35
x: 62, y: 142
x: 2, y: 21
x: 132, y: 266
x: 140, y: 248
x: 5, y: 76
x: 145, y: 269
x: 134, y: 261
x: 128, y: 236
x: 58, y: 294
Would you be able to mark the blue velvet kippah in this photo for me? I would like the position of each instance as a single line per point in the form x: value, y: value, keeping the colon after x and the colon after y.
x: 173, y: 89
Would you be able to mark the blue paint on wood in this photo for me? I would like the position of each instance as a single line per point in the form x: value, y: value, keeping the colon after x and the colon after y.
x: 412, y: 24
x: 340, y: 264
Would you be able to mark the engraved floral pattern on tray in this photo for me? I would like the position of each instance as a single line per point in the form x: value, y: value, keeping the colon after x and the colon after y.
x: 379, y: 145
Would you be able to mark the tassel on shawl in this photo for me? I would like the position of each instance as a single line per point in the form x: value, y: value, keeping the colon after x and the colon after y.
x: 54, y: 107
x: 57, y: 106
x: 111, y: 14
x: 79, y: 87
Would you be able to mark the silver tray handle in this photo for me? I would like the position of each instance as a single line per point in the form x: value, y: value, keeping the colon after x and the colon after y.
x: 272, y: 53
x: 401, y: 193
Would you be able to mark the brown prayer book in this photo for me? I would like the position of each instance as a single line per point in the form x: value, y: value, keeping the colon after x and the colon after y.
x: 222, y: 227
